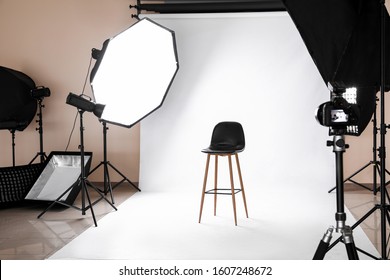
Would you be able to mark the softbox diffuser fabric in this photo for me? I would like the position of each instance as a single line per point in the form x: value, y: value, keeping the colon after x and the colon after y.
x: 60, y: 173
x: 17, y: 107
x: 344, y: 39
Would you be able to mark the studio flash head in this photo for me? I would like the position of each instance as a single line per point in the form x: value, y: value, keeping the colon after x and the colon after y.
x: 40, y: 92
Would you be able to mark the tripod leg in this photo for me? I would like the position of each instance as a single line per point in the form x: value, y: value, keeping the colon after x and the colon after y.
x: 88, y: 183
x: 54, y: 202
x: 376, y: 188
x: 93, y: 170
x: 84, y: 185
x: 34, y: 158
x: 350, y: 244
x: 107, y: 184
x: 324, y: 244
x: 124, y: 178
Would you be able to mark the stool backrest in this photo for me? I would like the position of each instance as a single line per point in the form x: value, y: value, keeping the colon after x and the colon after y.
x: 228, y: 136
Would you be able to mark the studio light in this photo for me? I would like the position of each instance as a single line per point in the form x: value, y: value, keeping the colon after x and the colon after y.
x: 40, y: 92
x: 131, y: 77
x: 83, y: 104
x: 59, y: 178
x: 17, y: 107
x: 134, y: 71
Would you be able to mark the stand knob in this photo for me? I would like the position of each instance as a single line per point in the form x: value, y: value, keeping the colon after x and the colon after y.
x: 329, y: 143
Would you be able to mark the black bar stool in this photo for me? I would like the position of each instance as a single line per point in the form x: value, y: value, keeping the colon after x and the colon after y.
x: 227, y: 140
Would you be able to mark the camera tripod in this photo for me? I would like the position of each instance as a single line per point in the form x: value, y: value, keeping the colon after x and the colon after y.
x: 339, y: 148
x: 83, y: 183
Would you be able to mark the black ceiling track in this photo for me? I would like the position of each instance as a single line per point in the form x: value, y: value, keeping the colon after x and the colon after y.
x: 211, y: 6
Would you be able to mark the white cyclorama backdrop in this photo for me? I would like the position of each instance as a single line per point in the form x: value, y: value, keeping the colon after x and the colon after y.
x: 252, y: 68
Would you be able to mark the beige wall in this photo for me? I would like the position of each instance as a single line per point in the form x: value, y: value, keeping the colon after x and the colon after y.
x: 51, y: 41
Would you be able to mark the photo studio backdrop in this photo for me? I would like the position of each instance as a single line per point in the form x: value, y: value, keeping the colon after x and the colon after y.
x: 248, y: 67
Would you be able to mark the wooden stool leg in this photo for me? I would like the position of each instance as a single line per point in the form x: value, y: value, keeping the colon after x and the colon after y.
x: 242, y: 184
x: 204, y: 186
x: 215, y: 184
x: 232, y: 186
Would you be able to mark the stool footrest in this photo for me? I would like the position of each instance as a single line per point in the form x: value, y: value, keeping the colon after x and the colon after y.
x: 222, y: 191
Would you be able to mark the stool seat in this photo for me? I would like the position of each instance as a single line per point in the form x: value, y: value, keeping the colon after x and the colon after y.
x: 223, y: 149
x: 227, y: 140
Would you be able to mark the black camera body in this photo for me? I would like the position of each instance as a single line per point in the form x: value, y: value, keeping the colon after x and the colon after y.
x: 338, y: 114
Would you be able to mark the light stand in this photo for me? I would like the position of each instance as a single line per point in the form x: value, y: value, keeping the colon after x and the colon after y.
x: 13, y: 126
x: 83, y: 182
x: 41, y: 154
x: 106, y: 164
x: 383, y: 206
x: 13, y: 130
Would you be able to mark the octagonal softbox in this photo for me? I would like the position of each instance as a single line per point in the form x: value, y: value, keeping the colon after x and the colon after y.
x: 134, y: 72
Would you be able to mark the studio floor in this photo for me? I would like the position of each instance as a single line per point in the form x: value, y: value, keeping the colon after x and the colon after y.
x: 150, y: 225
x: 24, y: 237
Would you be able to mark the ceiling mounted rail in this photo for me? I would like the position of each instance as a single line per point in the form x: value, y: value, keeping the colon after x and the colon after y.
x: 173, y: 7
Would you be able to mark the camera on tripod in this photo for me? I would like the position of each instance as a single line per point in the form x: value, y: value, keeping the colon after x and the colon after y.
x: 341, y: 116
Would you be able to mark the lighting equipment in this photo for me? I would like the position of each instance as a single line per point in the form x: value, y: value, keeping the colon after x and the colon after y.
x: 17, y: 107
x: 82, y: 105
x: 134, y: 72
x: 131, y: 77
x: 343, y: 38
x: 347, y: 41
x: 39, y: 93
x: 60, y: 170
x: 16, y: 182
x: 106, y: 165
